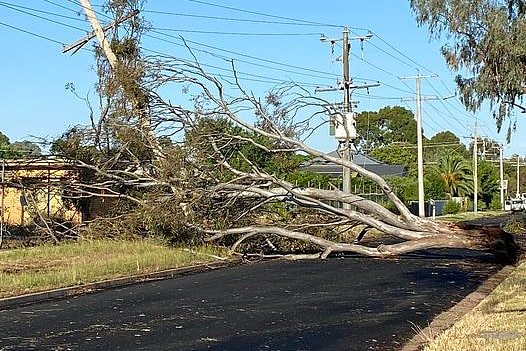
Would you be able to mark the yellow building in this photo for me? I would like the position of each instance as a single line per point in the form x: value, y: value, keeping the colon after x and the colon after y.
x: 32, y: 188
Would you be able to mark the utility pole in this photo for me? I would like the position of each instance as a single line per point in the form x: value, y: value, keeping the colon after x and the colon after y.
x: 346, y: 150
x: 112, y: 59
x: 76, y: 46
x: 419, y: 143
x: 518, y: 193
x: 501, y: 170
x: 345, y: 130
x: 475, y: 167
x: 142, y: 116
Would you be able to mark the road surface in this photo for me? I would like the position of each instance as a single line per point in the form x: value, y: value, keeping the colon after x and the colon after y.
x: 351, y: 303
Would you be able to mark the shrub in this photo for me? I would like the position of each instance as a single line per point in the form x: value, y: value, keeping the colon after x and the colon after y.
x: 451, y: 207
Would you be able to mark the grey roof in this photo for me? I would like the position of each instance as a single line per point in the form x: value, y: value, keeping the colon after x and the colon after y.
x: 319, y: 165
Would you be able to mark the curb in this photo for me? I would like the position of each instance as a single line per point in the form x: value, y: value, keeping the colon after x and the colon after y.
x: 447, y: 318
x: 61, y: 293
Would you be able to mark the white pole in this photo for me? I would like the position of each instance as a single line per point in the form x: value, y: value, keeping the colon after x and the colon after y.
x: 518, y: 194
x: 475, y: 168
x: 420, y: 156
x: 501, y: 169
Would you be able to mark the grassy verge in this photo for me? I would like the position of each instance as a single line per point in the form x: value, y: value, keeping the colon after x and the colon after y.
x: 497, y: 324
x: 467, y: 216
x: 47, y: 267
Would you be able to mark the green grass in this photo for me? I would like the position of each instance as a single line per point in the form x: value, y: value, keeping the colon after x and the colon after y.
x: 467, y: 216
x: 497, y: 324
x: 47, y: 267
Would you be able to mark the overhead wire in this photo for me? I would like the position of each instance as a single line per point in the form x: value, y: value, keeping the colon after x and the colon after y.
x: 62, y: 6
x: 265, y: 60
x: 266, y: 14
x: 42, y: 17
x: 267, y: 79
x: 220, y: 18
x: 42, y: 11
x: 232, y: 33
x: 31, y: 33
x: 243, y: 55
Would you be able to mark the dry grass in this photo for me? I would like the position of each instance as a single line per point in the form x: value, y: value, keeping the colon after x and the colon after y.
x: 497, y: 324
x: 47, y: 267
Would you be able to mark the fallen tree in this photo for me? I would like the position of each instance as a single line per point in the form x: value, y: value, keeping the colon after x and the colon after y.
x: 223, y: 167
x: 236, y: 182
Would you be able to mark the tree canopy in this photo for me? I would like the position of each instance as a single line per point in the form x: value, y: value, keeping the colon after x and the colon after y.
x: 17, y: 149
x: 486, y: 46
x: 385, y: 126
x: 443, y: 143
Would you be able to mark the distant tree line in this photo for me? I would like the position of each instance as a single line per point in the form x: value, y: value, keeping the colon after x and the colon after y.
x: 389, y: 135
x: 17, y: 149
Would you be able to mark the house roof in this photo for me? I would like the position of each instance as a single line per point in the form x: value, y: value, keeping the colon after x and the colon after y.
x: 322, y: 166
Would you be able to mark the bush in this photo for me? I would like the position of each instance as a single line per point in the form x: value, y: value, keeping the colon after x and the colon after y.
x: 495, y: 204
x: 451, y: 207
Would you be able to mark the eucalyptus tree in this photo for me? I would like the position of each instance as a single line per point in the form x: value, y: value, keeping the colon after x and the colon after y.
x: 215, y: 177
x: 486, y: 45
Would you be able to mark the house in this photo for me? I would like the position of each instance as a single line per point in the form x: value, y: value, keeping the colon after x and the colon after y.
x: 31, y: 188
x: 321, y: 166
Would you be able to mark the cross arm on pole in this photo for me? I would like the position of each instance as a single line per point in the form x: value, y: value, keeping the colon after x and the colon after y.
x: 76, y: 46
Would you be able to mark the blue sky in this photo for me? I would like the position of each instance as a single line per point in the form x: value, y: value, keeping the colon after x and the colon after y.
x: 34, y: 101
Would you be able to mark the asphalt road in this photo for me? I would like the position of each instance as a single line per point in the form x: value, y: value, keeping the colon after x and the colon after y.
x: 349, y: 303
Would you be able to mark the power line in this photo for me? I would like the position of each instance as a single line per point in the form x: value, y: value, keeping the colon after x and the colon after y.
x: 244, y: 55
x: 377, y: 97
x: 42, y: 11
x: 232, y: 33
x: 447, y: 119
x: 82, y: 6
x: 42, y: 17
x: 267, y: 15
x: 61, y: 6
x: 219, y: 18
x: 410, y: 91
x: 400, y: 52
x: 267, y: 79
x: 31, y: 33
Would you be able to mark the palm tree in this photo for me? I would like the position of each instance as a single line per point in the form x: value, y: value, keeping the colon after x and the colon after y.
x: 456, y: 174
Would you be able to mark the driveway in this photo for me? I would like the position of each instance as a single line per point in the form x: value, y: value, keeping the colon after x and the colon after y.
x: 350, y: 303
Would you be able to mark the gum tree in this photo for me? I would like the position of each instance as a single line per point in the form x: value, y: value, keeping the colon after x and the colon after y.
x: 215, y: 169
x: 486, y: 45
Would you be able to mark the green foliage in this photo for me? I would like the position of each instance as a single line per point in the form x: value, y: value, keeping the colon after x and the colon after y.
x: 434, y: 187
x: 74, y: 144
x: 25, y: 148
x: 4, y: 140
x: 488, y: 177
x: 442, y: 144
x: 404, y: 187
x: 18, y: 149
x: 241, y: 149
x: 456, y: 174
x: 387, y: 126
x: 486, y: 44
x: 452, y: 207
x: 398, y: 154
x: 495, y: 204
